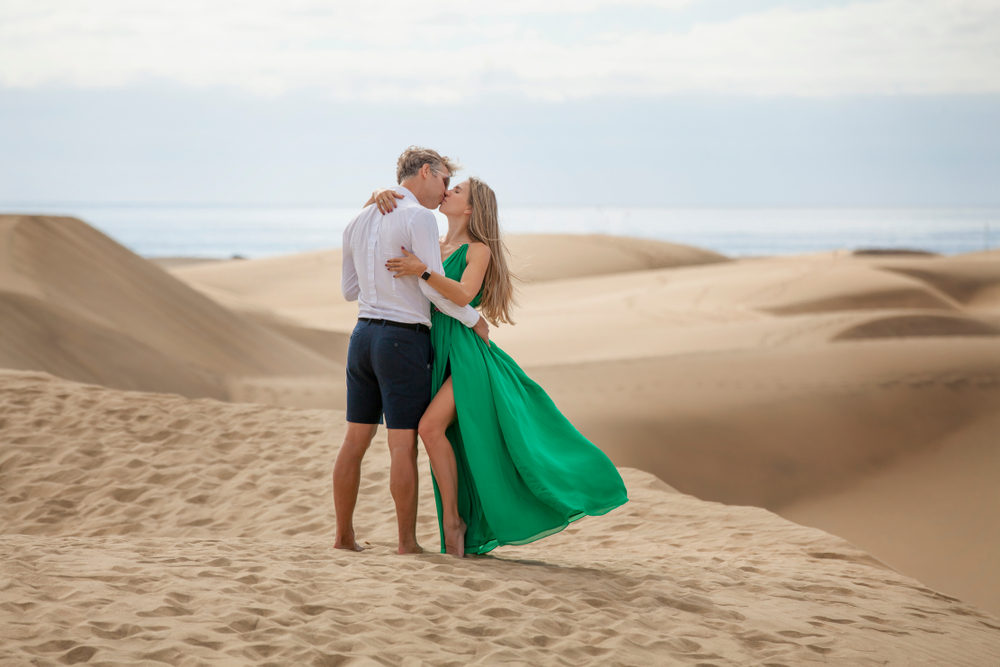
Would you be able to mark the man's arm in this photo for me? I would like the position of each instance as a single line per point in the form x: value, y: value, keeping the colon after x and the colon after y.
x: 349, y: 285
x: 427, y: 248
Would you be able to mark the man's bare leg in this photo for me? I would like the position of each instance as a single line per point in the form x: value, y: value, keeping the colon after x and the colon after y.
x: 347, y: 480
x: 403, y: 486
x: 438, y: 417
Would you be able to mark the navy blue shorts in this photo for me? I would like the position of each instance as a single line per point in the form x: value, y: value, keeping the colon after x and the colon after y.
x: 388, y: 372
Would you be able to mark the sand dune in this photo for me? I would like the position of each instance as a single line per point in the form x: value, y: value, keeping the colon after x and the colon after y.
x: 303, y: 288
x: 306, y: 287
x: 971, y: 279
x: 148, y: 529
x: 687, y: 373
x: 747, y: 304
x: 946, y: 495
x: 172, y: 262
x: 831, y: 388
x: 82, y: 306
x: 767, y: 381
x: 542, y: 257
x: 846, y: 286
x: 285, y: 283
x: 330, y: 344
x: 772, y: 381
x: 767, y: 427
x: 40, y: 335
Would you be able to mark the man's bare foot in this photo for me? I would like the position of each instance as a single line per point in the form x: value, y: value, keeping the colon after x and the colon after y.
x: 347, y: 544
x: 454, y: 539
x: 410, y: 549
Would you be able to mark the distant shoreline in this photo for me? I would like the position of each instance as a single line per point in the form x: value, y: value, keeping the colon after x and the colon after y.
x: 221, y: 231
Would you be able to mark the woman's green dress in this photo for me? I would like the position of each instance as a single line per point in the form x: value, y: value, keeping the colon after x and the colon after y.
x: 524, y: 471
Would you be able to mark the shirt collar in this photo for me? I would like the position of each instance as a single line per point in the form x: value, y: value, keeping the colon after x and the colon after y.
x: 406, y: 193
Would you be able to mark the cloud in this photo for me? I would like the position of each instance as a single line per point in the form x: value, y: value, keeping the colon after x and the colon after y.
x: 550, y: 49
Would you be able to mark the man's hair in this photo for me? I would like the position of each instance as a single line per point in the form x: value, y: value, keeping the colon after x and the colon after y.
x: 415, y: 157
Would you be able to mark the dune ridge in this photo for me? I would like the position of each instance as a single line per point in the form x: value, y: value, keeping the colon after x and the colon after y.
x: 147, y: 529
x: 970, y: 279
x: 306, y: 287
x: 543, y: 257
x: 79, y: 305
x: 922, y: 326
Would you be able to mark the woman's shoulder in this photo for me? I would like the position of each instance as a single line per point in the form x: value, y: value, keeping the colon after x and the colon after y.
x: 478, y: 249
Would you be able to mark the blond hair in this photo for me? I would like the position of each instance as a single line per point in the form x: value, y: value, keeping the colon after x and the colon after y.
x: 499, y: 296
x: 413, y: 158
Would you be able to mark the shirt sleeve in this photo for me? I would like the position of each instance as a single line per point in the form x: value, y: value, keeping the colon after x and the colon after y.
x: 426, y: 247
x: 349, y: 285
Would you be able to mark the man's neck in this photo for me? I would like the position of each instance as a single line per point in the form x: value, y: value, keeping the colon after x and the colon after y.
x: 414, y: 186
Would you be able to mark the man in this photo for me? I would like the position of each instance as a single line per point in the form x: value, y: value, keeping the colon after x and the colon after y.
x: 389, y: 358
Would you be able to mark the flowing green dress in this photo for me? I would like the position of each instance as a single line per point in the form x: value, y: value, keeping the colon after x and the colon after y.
x: 524, y: 471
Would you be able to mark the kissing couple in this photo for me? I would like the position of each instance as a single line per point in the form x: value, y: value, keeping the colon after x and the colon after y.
x: 507, y: 466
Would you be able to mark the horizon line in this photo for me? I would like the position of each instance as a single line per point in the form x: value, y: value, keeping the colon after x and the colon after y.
x: 217, y: 204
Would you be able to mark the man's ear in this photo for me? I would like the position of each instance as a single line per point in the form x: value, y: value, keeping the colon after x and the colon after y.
x: 425, y: 170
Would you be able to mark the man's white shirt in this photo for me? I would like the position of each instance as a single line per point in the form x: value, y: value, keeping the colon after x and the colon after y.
x: 370, y: 240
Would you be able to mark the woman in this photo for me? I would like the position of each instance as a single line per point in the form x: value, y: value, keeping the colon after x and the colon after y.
x: 508, y: 467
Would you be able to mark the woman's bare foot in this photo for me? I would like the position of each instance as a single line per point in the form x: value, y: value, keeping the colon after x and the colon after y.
x: 454, y: 539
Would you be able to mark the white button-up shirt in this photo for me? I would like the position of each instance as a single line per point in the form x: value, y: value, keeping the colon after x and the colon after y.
x: 370, y: 240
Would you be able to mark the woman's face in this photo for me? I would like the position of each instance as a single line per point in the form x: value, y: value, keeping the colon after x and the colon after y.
x: 456, y: 200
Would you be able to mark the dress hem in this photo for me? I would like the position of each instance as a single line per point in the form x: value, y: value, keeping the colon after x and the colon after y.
x: 493, y: 544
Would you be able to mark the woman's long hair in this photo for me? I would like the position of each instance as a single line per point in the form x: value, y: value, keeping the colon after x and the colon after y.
x: 484, y: 226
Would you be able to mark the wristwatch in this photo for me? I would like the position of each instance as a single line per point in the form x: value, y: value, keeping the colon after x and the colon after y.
x: 426, y: 275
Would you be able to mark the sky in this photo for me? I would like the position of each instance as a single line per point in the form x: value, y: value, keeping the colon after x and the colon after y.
x: 553, y: 102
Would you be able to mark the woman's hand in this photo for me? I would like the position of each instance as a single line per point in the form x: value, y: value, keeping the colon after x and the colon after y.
x: 385, y: 199
x: 410, y: 265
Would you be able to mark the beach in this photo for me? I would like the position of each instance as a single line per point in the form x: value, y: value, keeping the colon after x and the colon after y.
x: 811, y: 446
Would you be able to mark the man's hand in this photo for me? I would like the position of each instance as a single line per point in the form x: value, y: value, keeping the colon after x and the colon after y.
x: 482, y: 329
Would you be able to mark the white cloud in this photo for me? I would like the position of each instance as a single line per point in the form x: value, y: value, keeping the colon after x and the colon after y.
x: 394, y: 50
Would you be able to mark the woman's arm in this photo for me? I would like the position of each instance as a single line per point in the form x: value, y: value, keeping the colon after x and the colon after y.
x: 459, y: 293
x: 385, y: 198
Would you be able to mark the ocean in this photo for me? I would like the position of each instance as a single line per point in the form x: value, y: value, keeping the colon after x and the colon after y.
x: 260, y: 231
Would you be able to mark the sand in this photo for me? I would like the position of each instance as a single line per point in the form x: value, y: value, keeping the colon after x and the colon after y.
x: 305, y: 288
x: 774, y: 382
x: 80, y: 306
x: 794, y: 384
x: 853, y: 394
x: 944, y: 496
x: 144, y: 529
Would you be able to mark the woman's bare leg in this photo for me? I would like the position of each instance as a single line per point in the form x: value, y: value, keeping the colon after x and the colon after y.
x: 438, y: 417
